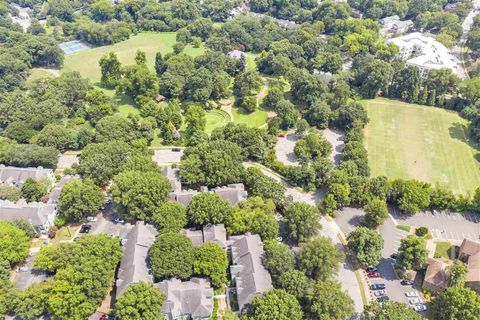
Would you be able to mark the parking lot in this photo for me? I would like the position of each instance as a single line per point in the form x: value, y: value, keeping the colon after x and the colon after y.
x: 29, y: 276
x: 444, y: 226
x: 350, y: 218
x: 284, y: 149
x: 167, y: 156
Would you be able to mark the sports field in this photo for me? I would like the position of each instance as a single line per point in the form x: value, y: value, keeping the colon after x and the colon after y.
x: 86, y: 61
x: 424, y: 143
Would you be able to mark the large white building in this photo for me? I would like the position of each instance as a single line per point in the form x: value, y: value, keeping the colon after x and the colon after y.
x: 426, y: 53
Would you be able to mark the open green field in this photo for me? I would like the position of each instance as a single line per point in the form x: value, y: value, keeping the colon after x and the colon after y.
x: 418, y: 142
x: 216, y: 119
x: 254, y: 119
x: 86, y: 61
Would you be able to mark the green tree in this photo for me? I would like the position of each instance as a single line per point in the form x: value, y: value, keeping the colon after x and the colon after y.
x: 80, y: 199
x: 111, y: 69
x: 372, y: 76
x: 390, y: 310
x: 212, y: 261
x: 30, y: 303
x: 33, y: 190
x: 253, y: 215
x: 138, y: 194
x: 328, y: 301
x: 319, y: 258
x: 275, y: 304
x: 366, y: 244
x: 294, y: 282
x: 141, y: 301
x: 14, y: 243
x: 138, y: 82
x: 470, y: 89
x: 376, y: 212
x: 410, y: 195
x: 10, y: 193
x: 301, y: 221
x: 319, y: 114
x: 195, y: 118
x: 263, y: 186
x: 311, y: 147
x: 170, y: 217
x: 207, y: 208
x: 412, y: 254
x: 278, y: 258
x: 101, y: 161
x: 456, y: 303
x: 458, y: 272
x: 247, y: 83
x: 172, y: 255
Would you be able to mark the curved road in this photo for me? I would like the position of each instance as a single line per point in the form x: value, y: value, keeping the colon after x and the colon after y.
x: 346, y: 274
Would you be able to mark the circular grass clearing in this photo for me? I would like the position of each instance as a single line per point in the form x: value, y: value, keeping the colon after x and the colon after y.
x: 216, y: 119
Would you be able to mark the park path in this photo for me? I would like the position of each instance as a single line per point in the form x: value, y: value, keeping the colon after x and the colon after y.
x: 346, y: 274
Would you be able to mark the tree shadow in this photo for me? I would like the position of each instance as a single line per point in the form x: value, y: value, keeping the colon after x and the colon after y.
x: 460, y: 132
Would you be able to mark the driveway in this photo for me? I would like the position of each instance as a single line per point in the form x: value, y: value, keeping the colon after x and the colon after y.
x: 106, y: 222
x: 346, y: 274
x: 350, y: 218
x: 453, y: 227
x: 335, y: 137
x: 27, y: 278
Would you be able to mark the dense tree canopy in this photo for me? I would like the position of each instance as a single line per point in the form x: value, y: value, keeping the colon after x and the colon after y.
x: 207, y: 208
x: 212, y: 261
x: 366, y: 244
x: 319, y: 258
x: 412, y: 253
x: 390, y: 310
x: 301, y: 221
x: 327, y: 301
x: 275, y: 304
x: 456, y: 303
x: 170, y: 217
x: 140, y: 301
x: 14, y: 243
x: 80, y: 199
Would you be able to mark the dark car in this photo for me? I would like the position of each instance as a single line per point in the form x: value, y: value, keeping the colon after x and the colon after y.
x: 406, y: 282
x: 393, y: 256
x: 382, y: 299
x: 377, y: 286
x: 371, y: 269
x: 85, y: 228
x: 176, y: 149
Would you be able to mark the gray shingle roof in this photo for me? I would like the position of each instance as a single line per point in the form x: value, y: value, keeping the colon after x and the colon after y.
x: 192, y: 298
x: 16, y: 175
x: 35, y: 212
x: 247, y: 269
x: 210, y: 233
x: 134, y: 264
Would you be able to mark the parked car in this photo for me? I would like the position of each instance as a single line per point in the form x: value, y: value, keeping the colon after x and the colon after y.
x: 415, y: 301
x: 435, y: 212
x: 23, y: 269
x: 176, y: 149
x: 91, y: 219
x: 281, y: 135
x: 406, y: 282
x: 420, y: 307
x: 412, y: 294
x: 85, y: 228
x: 371, y: 269
x: 393, y: 256
x: 373, y: 274
x: 379, y: 293
x: 377, y: 286
x: 382, y: 299
x: 119, y: 220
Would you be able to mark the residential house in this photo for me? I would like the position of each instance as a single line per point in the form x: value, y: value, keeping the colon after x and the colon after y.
x: 233, y: 193
x: 40, y: 215
x: 426, y: 54
x: 236, y: 54
x: 215, y: 233
x: 436, y: 276
x: 134, y: 265
x: 56, y: 191
x: 470, y: 254
x: 187, y: 299
x: 393, y: 25
x: 172, y: 175
x: 248, y: 273
x: 16, y: 176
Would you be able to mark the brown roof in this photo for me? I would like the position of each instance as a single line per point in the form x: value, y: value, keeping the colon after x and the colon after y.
x: 436, y: 274
x: 469, y: 247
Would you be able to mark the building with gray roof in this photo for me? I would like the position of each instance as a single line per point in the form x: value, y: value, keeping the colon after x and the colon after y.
x: 215, y: 233
x: 40, y: 215
x: 134, y: 265
x: 233, y: 193
x: 54, y: 194
x: 16, y: 176
x: 248, y: 273
x: 187, y: 299
x: 172, y: 175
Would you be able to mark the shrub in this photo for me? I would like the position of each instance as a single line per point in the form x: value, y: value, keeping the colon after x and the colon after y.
x: 421, y: 231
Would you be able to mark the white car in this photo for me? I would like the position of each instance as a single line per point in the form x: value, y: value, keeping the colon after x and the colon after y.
x: 415, y: 301
x: 23, y: 269
x: 420, y: 307
x: 91, y: 219
x: 412, y: 294
x: 379, y: 293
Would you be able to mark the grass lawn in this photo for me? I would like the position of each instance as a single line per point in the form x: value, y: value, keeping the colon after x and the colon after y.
x: 403, y: 227
x: 38, y: 73
x: 86, y: 61
x: 215, y: 119
x: 443, y: 250
x: 255, y: 119
x: 419, y: 142
x: 65, y: 233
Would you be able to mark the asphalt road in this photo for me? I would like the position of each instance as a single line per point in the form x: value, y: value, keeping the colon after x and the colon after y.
x: 26, y: 278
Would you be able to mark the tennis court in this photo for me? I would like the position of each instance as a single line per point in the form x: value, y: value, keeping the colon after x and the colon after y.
x: 73, y: 46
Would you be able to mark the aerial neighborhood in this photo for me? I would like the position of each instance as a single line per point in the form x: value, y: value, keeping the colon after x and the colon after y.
x: 240, y: 159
